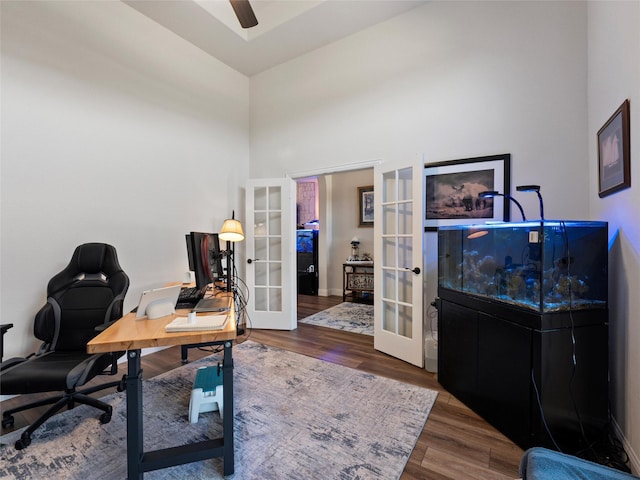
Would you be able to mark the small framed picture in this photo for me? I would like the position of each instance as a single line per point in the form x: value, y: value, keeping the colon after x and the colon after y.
x: 614, y: 164
x: 365, y: 206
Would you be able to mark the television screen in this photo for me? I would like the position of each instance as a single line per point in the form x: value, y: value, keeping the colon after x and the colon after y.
x: 304, y: 241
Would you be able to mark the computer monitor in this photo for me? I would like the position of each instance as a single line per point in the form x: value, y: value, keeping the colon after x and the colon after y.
x: 207, y: 258
x: 192, y: 265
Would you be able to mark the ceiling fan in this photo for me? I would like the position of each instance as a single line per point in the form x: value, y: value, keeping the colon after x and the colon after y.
x: 244, y: 12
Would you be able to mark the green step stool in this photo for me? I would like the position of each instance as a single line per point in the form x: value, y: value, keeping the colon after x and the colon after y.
x: 206, y: 394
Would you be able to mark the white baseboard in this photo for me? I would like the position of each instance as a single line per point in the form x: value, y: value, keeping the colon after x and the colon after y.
x: 634, y: 461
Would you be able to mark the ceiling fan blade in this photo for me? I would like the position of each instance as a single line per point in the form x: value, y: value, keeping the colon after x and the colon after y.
x: 244, y: 12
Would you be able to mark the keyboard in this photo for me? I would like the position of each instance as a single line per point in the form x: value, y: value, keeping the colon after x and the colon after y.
x: 189, y: 297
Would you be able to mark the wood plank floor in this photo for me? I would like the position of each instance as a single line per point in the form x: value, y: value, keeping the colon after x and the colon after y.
x: 455, y: 442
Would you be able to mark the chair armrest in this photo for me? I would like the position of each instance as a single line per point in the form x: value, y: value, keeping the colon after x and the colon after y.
x: 104, y: 326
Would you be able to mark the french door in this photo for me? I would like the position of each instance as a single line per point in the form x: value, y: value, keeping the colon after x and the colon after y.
x: 270, y: 269
x: 398, y: 264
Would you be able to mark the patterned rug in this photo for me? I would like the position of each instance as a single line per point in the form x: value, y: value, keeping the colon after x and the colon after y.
x: 348, y: 316
x: 296, y: 417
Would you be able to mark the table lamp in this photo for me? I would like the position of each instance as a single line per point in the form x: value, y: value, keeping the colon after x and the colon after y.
x: 355, y: 249
x: 231, y: 232
x: 493, y: 193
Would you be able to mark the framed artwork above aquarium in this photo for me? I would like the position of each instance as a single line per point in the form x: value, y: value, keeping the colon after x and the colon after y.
x: 452, y: 187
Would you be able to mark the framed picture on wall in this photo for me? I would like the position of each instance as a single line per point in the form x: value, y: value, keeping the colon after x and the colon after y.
x: 365, y: 206
x: 452, y: 191
x: 614, y: 144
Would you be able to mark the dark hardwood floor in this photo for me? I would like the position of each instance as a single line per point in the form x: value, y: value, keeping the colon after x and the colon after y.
x: 455, y: 442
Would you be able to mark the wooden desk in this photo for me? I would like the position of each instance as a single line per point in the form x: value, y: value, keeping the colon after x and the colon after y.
x: 132, y: 334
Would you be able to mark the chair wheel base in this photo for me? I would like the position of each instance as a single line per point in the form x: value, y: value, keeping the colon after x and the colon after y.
x: 122, y: 386
x: 7, y: 421
x: 23, y: 442
x: 105, y: 418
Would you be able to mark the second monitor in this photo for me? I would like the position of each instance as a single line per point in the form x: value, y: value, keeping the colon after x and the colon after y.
x: 207, y: 258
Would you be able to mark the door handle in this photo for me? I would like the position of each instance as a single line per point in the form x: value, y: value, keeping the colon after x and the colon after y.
x: 414, y: 270
x: 251, y: 260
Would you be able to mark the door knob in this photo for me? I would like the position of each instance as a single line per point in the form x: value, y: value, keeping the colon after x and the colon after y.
x: 251, y: 260
x: 414, y: 270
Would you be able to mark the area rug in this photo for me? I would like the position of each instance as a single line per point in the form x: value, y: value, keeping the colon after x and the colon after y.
x: 296, y: 417
x: 347, y: 316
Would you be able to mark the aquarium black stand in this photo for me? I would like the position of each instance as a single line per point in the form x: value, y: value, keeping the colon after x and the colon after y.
x: 515, y: 368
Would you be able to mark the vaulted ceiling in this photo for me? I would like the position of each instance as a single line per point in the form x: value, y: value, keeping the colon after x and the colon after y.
x: 285, y: 30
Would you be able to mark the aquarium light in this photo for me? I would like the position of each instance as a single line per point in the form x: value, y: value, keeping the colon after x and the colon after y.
x: 533, y: 188
x: 493, y: 193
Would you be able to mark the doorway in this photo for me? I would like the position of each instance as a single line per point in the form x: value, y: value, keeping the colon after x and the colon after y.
x: 328, y: 203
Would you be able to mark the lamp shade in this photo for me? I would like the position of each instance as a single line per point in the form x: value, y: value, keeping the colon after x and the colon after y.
x: 231, y: 231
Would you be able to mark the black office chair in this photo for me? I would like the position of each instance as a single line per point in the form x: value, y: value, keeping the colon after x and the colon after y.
x: 83, y: 299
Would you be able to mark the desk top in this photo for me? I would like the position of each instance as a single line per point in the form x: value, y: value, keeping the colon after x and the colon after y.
x: 131, y: 333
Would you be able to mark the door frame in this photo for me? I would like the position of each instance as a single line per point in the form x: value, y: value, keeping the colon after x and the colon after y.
x: 350, y: 167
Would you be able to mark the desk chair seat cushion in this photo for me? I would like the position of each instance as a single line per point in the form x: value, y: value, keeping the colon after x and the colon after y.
x: 52, y: 372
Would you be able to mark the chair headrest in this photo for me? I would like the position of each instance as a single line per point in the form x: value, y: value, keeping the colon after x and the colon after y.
x: 92, y: 262
x: 91, y: 257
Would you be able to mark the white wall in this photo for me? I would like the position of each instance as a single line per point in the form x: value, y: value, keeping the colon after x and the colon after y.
x: 448, y: 80
x: 614, y: 75
x: 113, y: 130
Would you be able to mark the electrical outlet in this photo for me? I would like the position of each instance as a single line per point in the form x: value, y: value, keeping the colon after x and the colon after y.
x: 534, y: 237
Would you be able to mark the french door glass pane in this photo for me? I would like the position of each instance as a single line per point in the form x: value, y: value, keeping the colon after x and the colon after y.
x: 405, y: 218
x: 275, y: 274
x: 389, y: 187
x: 260, y: 223
x: 275, y: 223
x: 389, y: 248
x: 275, y: 198
x: 405, y: 252
x: 405, y: 287
x: 389, y: 284
x: 389, y: 219
x: 389, y: 316
x: 261, y: 299
x: 405, y: 184
x: 275, y: 299
x: 261, y: 274
x: 405, y: 313
x: 260, y: 198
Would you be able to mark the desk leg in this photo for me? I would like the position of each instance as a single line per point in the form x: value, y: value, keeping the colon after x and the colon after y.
x: 227, y: 421
x: 134, y: 416
x: 184, y: 350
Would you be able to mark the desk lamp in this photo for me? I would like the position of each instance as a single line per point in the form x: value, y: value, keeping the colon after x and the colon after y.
x: 231, y: 232
x: 533, y: 188
x: 493, y: 193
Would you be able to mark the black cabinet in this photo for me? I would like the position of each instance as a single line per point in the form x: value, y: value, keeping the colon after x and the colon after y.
x: 307, y: 261
x: 541, y: 379
x: 308, y: 283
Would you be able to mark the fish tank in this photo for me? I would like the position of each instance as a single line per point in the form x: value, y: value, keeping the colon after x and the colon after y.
x: 543, y: 266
